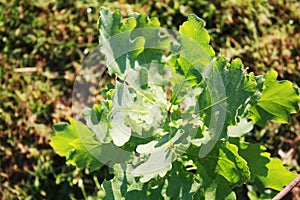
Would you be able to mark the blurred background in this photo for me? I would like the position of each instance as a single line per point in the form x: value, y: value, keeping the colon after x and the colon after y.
x: 42, y: 46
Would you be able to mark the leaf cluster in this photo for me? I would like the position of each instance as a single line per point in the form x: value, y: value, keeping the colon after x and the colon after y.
x: 176, y: 112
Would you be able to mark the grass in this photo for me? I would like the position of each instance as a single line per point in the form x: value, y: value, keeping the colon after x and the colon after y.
x: 42, y: 47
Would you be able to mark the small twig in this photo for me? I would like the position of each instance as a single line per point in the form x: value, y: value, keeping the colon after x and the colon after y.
x: 25, y: 69
x: 288, y: 188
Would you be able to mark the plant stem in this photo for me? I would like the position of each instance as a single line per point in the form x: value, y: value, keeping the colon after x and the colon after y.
x: 288, y: 188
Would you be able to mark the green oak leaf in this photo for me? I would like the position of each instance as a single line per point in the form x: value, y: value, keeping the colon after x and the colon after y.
x: 125, y: 186
x: 110, y: 23
x: 125, y: 41
x: 217, y: 188
x: 161, y: 154
x: 194, y: 56
x: 65, y: 134
x: 97, y: 119
x: 225, y: 160
x: 64, y: 139
x: 182, y: 184
x: 226, y: 96
x: 277, y: 175
x: 156, y: 38
x: 278, y: 100
x: 121, y: 185
x: 115, y: 41
x: 266, y: 172
x: 194, y: 39
x: 196, y: 53
x: 77, y: 143
x: 83, y: 153
x: 158, y: 163
x: 239, y: 87
x: 256, y: 157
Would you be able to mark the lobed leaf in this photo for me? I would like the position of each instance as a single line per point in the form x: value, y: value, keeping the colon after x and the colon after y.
x: 121, y: 185
x: 67, y: 142
x: 217, y: 188
x: 78, y: 144
x: 97, y: 119
x: 225, y: 160
x: 181, y: 184
x: 278, y: 100
x: 277, y: 177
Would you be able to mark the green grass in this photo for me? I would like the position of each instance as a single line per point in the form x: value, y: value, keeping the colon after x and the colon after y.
x: 42, y: 46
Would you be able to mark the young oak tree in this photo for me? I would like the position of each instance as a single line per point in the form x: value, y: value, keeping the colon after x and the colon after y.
x: 173, y: 125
